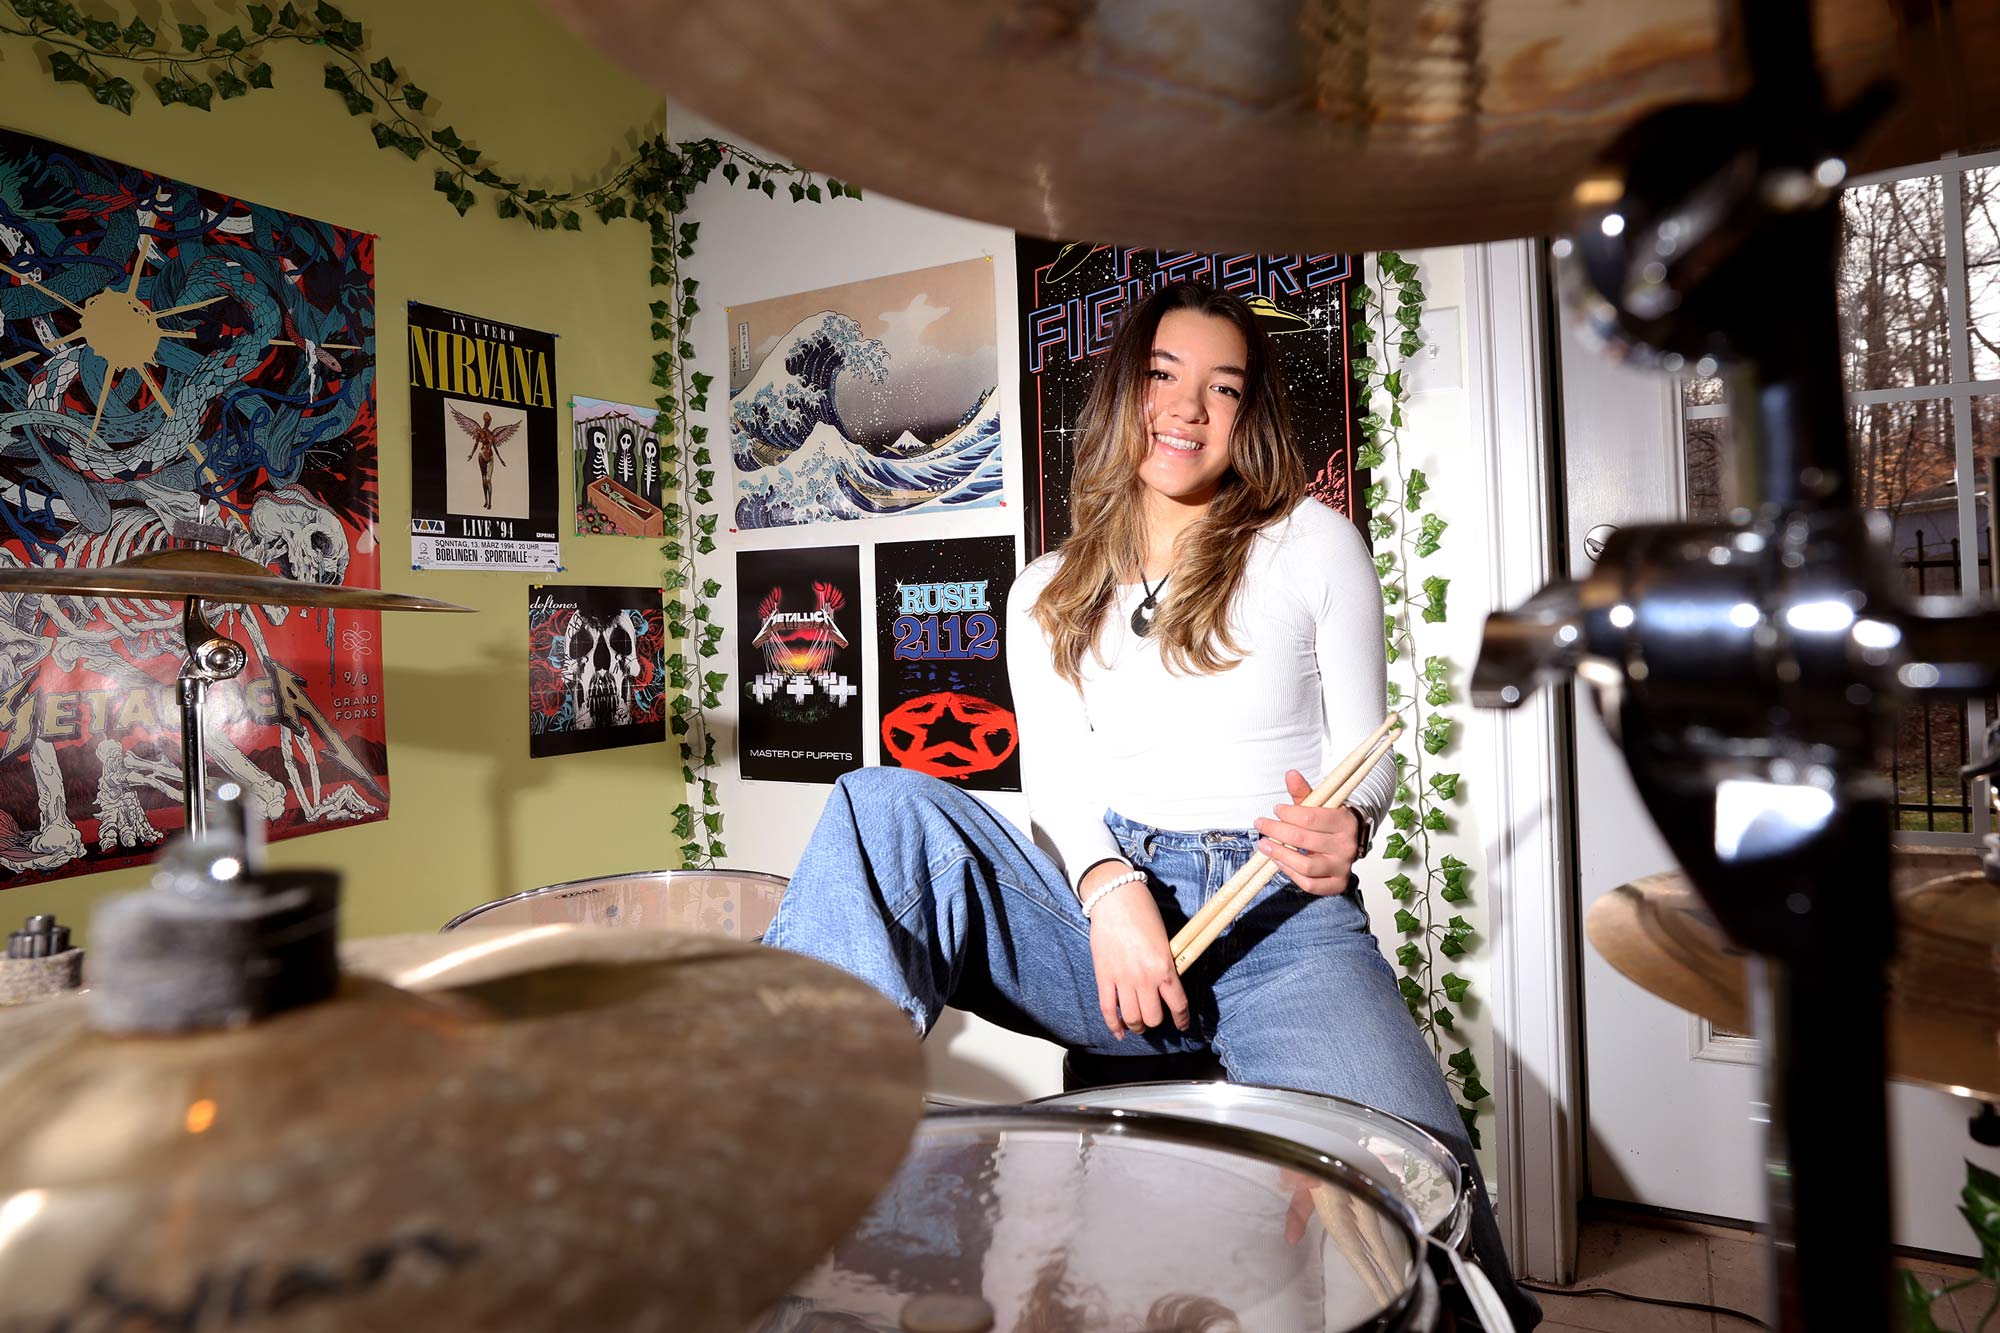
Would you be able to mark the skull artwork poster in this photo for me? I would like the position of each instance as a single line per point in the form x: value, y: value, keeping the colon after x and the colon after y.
x: 617, y: 463
x: 179, y: 367
x: 596, y: 678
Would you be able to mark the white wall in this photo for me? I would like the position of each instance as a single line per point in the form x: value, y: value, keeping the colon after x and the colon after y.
x: 752, y: 248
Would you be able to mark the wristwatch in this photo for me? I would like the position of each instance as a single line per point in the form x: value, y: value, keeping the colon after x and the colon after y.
x: 1367, y: 835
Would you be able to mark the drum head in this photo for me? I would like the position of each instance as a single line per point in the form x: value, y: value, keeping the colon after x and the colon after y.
x: 1403, y: 1158
x: 1081, y: 1220
x: 736, y: 904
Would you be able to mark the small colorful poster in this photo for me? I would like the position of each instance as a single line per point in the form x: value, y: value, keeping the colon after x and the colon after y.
x: 1072, y: 298
x: 617, y: 469
x: 484, y: 488
x: 798, y: 658
x: 596, y: 669
x: 940, y: 625
x: 874, y: 398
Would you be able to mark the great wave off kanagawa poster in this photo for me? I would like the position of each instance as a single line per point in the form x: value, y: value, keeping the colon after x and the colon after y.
x: 865, y: 400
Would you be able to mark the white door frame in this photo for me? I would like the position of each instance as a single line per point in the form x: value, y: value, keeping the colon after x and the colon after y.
x: 1537, y: 1091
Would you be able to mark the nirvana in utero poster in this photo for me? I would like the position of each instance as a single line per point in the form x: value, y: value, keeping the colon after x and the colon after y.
x: 940, y: 625
x: 798, y: 662
x: 596, y: 668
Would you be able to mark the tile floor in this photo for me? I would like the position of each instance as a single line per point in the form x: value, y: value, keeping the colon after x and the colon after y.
x: 1650, y: 1256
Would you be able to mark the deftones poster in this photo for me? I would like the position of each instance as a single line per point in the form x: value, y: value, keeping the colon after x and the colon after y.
x: 798, y: 659
x: 1073, y: 297
x: 483, y: 452
x: 940, y: 624
x: 179, y: 367
x: 596, y: 675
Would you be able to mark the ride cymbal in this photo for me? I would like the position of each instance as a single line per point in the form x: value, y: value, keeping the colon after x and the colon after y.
x: 1274, y: 126
x: 1944, y: 1001
x: 212, y: 576
x: 595, y: 1130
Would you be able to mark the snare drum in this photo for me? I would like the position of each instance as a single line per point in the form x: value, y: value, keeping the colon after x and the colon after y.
x: 738, y: 904
x: 1039, y: 1218
x: 1403, y: 1158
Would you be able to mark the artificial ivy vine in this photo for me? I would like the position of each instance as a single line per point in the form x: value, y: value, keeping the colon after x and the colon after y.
x: 1389, y: 309
x: 193, y: 67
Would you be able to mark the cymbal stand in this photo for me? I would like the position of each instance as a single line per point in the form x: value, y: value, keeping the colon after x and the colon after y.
x: 1750, y: 670
x: 212, y: 657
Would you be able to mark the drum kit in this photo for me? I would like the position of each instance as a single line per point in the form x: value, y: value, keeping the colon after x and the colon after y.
x: 544, y: 1124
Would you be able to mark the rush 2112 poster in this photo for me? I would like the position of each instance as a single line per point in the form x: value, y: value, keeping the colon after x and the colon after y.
x: 1072, y: 298
x: 940, y: 627
x: 179, y: 368
x: 596, y: 669
x: 483, y: 454
x: 798, y: 655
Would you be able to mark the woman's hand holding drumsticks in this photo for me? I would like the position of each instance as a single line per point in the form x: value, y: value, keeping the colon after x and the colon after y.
x: 1217, y: 914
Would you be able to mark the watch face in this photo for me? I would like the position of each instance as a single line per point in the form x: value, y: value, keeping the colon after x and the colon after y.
x: 180, y: 368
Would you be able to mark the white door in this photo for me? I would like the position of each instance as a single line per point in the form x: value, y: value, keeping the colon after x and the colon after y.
x: 1671, y: 1105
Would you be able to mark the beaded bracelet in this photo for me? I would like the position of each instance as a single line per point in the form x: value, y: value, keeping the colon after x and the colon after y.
x: 1115, y: 882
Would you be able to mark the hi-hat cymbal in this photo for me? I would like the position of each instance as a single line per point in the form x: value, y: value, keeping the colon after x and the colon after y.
x: 1944, y: 1003
x: 213, y: 576
x: 1265, y: 125
x: 589, y: 1130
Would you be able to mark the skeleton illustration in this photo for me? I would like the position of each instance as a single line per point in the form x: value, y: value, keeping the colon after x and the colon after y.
x: 625, y: 455
x: 600, y: 452
x: 121, y: 818
x: 56, y: 842
x: 650, y: 488
x: 486, y: 441
x: 601, y: 668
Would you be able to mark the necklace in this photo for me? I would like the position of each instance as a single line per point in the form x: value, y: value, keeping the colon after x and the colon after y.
x: 1142, y: 614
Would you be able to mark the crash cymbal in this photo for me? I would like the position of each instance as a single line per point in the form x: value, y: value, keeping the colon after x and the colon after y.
x: 213, y: 576
x: 593, y: 1130
x: 1944, y: 999
x: 1266, y: 125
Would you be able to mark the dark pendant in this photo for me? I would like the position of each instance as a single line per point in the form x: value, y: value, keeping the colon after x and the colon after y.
x: 1142, y: 617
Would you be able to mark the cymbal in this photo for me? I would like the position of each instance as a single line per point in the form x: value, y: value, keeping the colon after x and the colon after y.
x: 1266, y: 125
x: 1944, y: 1003
x: 591, y: 1130
x: 213, y: 576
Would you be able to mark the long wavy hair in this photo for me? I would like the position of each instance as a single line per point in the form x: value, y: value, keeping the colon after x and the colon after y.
x: 1107, y: 544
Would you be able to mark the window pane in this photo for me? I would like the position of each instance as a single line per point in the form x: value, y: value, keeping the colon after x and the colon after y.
x: 1710, y: 447
x: 1892, y: 291
x: 1980, y: 192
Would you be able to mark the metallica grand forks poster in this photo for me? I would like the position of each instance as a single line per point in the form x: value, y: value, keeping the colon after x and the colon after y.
x: 798, y: 661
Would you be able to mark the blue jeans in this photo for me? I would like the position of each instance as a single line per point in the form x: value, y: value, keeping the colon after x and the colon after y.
x: 919, y: 889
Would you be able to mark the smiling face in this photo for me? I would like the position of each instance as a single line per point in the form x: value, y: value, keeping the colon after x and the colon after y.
x: 1195, y: 385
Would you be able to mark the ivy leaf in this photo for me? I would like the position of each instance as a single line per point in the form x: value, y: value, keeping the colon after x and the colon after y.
x: 1445, y: 785
x: 1376, y: 493
x: 100, y: 33
x: 1369, y: 456
x: 1412, y: 992
x: 813, y: 193
x: 1451, y: 946
x: 1435, y: 820
x: 1384, y: 562
x: 1410, y: 956
x: 289, y: 17
x: 1458, y: 925
x: 115, y: 93
x: 414, y: 97
x: 1442, y: 1017
x: 1453, y: 893
x: 1406, y: 922
x: 1400, y: 886
x: 1395, y: 848
x: 1473, y: 1090
x: 1403, y: 792
x: 1381, y: 527
x: 260, y: 19
x: 1436, y: 734
x: 231, y: 39
x: 1463, y: 1062
x: 383, y: 70
x: 1414, y: 488
x: 67, y: 69
x: 1471, y: 1118
x: 138, y: 34
x: 1403, y: 817
x: 260, y: 75
x: 230, y: 86
x: 192, y: 36
x: 1455, y: 987
x: 1428, y: 538
x: 1434, y: 588
x: 1392, y: 383
x: 730, y: 172
x: 1980, y: 1206
x: 1394, y: 692
x: 1915, y: 1299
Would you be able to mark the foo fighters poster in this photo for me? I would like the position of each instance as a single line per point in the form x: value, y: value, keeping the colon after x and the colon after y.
x: 940, y: 623
x: 179, y: 368
x: 483, y: 453
x: 798, y: 659
x: 1074, y: 295
x: 596, y: 672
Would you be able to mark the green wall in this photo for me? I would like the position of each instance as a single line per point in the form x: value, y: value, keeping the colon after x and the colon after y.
x: 471, y: 817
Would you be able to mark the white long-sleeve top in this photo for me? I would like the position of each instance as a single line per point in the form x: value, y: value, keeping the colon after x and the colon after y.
x: 1193, y: 752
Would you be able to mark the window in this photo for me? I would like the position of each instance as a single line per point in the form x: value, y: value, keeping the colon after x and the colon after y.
x: 1919, y: 293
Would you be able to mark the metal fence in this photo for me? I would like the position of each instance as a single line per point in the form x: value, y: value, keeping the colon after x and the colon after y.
x: 1932, y: 735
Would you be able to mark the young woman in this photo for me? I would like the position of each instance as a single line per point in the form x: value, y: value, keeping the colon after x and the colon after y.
x: 1202, y: 649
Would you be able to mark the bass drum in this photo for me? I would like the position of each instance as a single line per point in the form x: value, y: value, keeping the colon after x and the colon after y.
x: 1402, y: 1157
x: 1073, y: 1221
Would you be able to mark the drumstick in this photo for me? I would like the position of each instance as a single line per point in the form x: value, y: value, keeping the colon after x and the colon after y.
x: 1263, y: 875
x: 1341, y: 771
